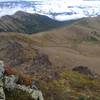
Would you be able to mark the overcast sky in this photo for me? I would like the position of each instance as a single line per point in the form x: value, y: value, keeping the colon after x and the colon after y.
x: 35, y: 0
x: 50, y: 0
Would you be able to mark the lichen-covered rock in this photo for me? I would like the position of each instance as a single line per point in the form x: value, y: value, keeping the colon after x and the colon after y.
x: 10, y: 82
x: 35, y: 94
x: 2, y: 94
x: 33, y: 86
x: 1, y: 69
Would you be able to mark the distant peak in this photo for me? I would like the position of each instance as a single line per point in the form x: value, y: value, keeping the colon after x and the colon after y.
x: 22, y: 13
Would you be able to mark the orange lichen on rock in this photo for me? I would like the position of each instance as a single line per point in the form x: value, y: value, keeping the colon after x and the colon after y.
x: 9, y: 70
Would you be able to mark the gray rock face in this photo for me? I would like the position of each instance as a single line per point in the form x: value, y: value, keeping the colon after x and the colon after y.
x: 10, y: 82
x: 1, y: 69
x: 2, y: 94
x: 33, y: 86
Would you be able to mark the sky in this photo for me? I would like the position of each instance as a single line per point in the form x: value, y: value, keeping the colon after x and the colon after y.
x: 72, y: 1
x: 36, y: 0
x: 58, y: 6
x: 50, y: 0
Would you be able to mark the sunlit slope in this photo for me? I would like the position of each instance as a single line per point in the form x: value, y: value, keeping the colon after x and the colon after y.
x: 73, y: 45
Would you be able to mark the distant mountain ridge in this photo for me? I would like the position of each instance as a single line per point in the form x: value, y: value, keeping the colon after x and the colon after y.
x: 23, y: 22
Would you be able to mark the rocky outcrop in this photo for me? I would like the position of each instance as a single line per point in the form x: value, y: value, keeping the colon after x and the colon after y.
x: 27, y: 23
x: 2, y: 94
x: 10, y: 83
x: 86, y: 71
x: 35, y: 94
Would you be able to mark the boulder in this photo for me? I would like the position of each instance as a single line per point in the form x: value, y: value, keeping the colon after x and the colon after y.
x: 10, y: 82
x: 86, y: 71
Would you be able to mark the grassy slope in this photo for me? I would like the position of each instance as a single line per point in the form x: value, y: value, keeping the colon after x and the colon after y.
x: 17, y: 95
x: 67, y: 86
x: 71, y: 86
x: 72, y: 46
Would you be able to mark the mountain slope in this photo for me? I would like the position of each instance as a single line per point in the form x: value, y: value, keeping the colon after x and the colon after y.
x: 73, y: 45
x: 23, y: 22
x: 67, y: 46
x: 21, y: 52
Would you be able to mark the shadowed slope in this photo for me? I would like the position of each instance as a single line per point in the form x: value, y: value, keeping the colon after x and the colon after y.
x: 23, y: 22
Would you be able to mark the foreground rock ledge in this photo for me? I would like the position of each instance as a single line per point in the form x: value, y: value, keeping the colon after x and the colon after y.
x: 10, y: 83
